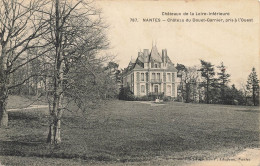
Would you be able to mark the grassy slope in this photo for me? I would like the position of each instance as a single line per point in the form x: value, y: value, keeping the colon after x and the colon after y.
x: 24, y: 101
x: 131, y: 131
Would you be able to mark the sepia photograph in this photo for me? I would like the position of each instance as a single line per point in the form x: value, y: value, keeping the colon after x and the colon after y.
x: 118, y: 82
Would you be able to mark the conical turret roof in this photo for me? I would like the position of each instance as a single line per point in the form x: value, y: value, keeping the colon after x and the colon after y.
x: 155, y: 56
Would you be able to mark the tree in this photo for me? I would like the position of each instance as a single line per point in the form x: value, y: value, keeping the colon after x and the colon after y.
x: 234, y: 96
x: 253, y: 86
x: 191, y: 81
x: 207, y: 72
x: 21, y: 26
x: 112, y: 65
x: 87, y: 84
x: 77, y: 33
x: 126, y: 94
x: 181, y: 69
x: 112, y: 70
x: 223, y: 80
x: 32, y: 72
x: 244, y: 93
x: 112, y: 79
x: 214, y: 92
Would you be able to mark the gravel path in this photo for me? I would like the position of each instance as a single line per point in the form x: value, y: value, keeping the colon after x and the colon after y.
x: 28, y: 108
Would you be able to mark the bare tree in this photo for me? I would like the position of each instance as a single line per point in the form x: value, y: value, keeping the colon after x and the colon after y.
x: 77, y: 34
x: 20, y: 28
x: 190, y: 81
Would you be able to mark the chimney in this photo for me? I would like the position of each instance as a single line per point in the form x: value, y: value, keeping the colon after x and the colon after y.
x: 139, y: 54
x: 164, y: 56
x: 146, y: 55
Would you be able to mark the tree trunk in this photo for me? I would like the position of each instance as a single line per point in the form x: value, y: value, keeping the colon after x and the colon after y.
x: 181, y: 90
x: 54, y: 136
x: 207, y: 94
x: 223, y: 92
x: 3, y: 102
x: 3, y: 89
x: 27, y: 76
x: 187, y: 92
x: 254, y: 98
x: 3, y: 113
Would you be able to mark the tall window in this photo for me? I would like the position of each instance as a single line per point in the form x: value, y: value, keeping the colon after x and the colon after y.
x: 142, y: 76
x: 156, y: 89
x: 142, y: 89
x: 138, y: 76
x: 168, y: 90
x: 153, y: 76
x: 168, y: 77
x: 155, y: 65
x: 158, y: 76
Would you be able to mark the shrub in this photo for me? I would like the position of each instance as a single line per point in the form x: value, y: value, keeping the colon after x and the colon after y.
x: 142, y: 98
x: 126, y: 94
x: 167, y: 98
x: 153, y: 96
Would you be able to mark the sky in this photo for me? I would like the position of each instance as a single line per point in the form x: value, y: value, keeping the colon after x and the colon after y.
x: 234, y: 44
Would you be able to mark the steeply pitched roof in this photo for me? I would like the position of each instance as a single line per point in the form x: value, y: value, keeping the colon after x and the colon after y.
x: 155, y: 55
x: 140, y: 57
x: 145, y: 56
x: 137, y: 66
x: 170, y: 65
x: 139, y: 62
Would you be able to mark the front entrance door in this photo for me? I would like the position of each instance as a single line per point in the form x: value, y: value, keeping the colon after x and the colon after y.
x: 156, y: 89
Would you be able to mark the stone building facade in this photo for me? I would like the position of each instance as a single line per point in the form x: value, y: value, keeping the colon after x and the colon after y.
x: 151, y: 73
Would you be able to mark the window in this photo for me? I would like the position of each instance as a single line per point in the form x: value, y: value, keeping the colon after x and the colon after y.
x: 158, y: 76
x: 138, y: 76
x: 142, y: 76
x: 168, y: 90
x: 155, y: 65
x: 156, y: 88
x: 168, y: 77
x: 153, y: 76
x: 142, y: 89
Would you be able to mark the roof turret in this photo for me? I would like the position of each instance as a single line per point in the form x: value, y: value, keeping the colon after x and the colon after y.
x: 155, y: 56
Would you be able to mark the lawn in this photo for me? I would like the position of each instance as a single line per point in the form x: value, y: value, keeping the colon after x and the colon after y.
x: 132, y: 132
